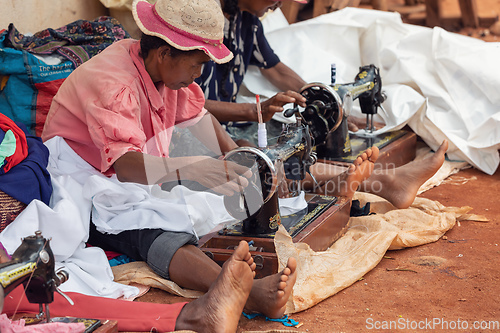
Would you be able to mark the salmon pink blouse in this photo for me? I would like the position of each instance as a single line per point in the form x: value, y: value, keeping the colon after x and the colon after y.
x: 109, y: 105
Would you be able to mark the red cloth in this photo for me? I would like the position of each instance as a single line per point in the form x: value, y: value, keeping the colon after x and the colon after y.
x: 21, y: 144
x: 131, y: 316
x: 44, y: 96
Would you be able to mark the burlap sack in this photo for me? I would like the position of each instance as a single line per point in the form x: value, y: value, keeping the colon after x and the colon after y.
x: 138, y: 272
x: 323, y: 274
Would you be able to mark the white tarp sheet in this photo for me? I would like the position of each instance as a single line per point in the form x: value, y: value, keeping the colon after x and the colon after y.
x: 442, y: 84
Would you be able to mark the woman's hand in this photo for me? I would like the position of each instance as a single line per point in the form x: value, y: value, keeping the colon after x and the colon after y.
x: 4, y: 257
x: 224, y: 177
x: 276, y: 103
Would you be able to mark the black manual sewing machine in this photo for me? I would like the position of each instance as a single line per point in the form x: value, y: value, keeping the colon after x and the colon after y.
x: 256, y: 207
x: 328, y: 107
x: 33, y: 265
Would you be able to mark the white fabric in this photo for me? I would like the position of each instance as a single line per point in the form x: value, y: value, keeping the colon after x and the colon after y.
x: 292, y: 205
x: 66, y: 224
x: 118, y: 206
x: 124, y: 206
x: 442, y: 84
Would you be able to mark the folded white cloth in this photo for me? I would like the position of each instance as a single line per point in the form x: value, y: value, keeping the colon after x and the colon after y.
x: 292, y: 205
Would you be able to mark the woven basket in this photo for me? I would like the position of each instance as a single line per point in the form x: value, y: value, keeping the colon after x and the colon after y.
x: 9, y: 209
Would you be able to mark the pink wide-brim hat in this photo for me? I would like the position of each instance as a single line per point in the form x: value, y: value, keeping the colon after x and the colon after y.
x: 185, y: 24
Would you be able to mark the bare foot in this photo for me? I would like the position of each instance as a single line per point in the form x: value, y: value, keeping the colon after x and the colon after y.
x: 270, y: 294
x: 348, y: 182
x: 400, y: 185
x: 219, y: 310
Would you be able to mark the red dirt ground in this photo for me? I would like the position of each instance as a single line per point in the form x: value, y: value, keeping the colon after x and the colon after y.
x: 461, y: 291
x: 464, y: 287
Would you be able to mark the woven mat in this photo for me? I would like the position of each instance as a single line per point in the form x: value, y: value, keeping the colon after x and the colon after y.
x: 10, y: 208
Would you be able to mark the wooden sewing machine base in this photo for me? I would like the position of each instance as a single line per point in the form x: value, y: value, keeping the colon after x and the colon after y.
x: 396, y: 149
x: 320, y: 226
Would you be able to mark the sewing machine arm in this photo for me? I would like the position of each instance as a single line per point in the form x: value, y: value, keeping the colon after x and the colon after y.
x: 33, y: 265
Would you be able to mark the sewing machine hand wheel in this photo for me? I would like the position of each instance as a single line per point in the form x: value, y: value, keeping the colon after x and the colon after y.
x: 63, y: 276
x: 263, y: 183
x: 324, y: 111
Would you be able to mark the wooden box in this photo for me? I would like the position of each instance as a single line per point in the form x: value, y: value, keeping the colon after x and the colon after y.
x: 319, y: 227
x: 396, y: 149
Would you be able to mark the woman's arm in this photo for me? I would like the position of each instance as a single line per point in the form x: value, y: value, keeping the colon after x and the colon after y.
x: 221, y: 176
x: 211, y: 133
x: 283, y: 77
x: 226, y: 111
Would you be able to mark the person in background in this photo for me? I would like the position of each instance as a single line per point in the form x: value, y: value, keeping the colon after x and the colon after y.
x: 244, y: 36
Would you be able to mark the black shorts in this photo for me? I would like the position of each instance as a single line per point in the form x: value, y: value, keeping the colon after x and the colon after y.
x: 154, y: 246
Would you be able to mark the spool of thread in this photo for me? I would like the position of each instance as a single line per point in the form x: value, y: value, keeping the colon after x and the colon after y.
x: 261, y: 131
x: 262, y: 135
x: 333, y: 72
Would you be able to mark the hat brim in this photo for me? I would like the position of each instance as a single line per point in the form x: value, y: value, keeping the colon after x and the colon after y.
x: 150, y: 24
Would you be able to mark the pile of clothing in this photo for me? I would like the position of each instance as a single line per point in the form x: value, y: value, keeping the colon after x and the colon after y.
x: 32, y: 68
x: 23, y: 173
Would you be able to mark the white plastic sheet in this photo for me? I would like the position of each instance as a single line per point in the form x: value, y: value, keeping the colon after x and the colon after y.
x: 442, y: 84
